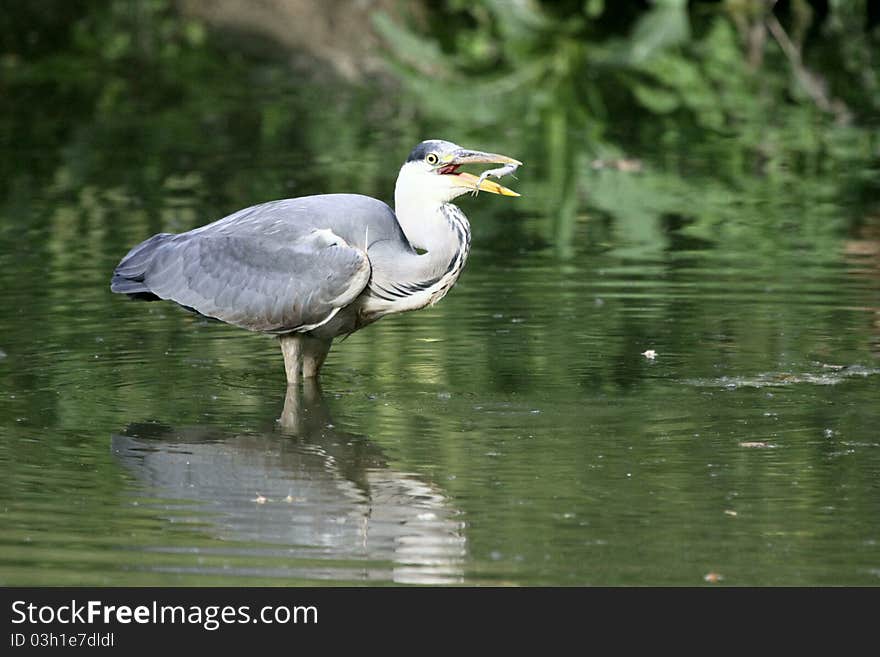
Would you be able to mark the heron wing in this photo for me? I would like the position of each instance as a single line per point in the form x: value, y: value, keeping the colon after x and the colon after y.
x: 281, y: 266
x: 257, y: 281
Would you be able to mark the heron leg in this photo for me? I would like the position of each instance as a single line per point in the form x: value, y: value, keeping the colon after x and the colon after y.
x: 303, y: 355
x: 315, y: 353
x: 291, y: 349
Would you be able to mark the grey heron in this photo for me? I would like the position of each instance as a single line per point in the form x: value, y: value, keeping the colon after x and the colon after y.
x: 313, y: 268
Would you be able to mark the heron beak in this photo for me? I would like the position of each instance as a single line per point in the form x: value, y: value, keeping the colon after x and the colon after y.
x: 470, y: 181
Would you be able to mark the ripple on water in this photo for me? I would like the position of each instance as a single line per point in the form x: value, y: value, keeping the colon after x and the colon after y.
x: 831, y: 375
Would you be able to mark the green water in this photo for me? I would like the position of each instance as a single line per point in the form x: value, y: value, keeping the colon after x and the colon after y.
x: 515, y: 434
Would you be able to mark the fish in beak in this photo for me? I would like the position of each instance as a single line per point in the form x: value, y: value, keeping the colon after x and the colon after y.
x: 450, y: 163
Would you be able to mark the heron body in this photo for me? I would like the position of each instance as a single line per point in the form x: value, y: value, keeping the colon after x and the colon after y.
x: 314, y: 268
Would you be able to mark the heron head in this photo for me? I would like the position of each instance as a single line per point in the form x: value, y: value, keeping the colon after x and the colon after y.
x: 432, y: 172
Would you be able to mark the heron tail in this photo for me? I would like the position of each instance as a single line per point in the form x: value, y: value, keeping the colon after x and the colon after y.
x: 129, y: 275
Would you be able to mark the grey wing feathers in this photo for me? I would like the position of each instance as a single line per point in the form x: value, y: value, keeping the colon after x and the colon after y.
x: 257, y: 269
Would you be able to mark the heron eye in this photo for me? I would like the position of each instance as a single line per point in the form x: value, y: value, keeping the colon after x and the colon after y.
x: 432, y: 158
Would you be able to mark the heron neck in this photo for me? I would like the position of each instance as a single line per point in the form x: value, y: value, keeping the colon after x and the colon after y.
x: 439, y: 229
x: 404, y: 280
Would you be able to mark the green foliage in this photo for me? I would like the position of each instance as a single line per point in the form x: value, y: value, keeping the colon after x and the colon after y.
x: 669, y: 84
x: 126, y: 92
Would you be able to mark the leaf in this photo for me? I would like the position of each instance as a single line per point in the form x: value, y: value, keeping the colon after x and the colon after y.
x: 414, y: 50
x: 656, y: 99
x: 594, y: 8
x: 520, y: 20
x: 664, y: 26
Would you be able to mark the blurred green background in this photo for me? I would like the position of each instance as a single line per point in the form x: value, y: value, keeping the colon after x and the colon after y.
x: 700, y: 178
x: 635, y: 112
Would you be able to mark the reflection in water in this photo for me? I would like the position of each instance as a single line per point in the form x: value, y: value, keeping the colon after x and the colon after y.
x: 862, y: 254
x: 322, y: 493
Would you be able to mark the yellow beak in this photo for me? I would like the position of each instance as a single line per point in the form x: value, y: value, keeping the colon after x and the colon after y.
x: 471, y: 181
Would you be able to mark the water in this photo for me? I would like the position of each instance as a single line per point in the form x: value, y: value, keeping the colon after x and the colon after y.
x: 514, y: 434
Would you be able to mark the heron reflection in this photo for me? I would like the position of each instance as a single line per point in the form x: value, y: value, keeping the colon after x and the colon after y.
x: 308, y: 488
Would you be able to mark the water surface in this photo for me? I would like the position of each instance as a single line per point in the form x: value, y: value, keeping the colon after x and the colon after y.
x: 514, y: 434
